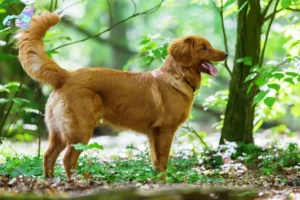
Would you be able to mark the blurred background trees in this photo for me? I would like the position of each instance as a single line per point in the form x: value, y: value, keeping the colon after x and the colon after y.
x: 261, y: 91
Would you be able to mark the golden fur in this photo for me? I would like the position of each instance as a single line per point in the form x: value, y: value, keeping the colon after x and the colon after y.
x: 153, y: 103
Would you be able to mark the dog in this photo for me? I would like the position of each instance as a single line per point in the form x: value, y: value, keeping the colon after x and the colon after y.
x: 153, y: 103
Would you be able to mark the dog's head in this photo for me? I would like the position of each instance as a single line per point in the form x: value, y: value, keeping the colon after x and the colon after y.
x: 196, y: 52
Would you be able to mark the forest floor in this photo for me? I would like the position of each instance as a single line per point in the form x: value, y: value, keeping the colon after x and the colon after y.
x: 122, y: 168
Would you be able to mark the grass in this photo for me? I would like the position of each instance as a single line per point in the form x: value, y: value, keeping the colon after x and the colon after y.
x: 203, y: 167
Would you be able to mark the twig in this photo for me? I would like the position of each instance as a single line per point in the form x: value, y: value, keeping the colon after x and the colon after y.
x: 98, y: 39
x: 10, y: 146
x: 51, y: 5
x: 277, y: 11
x: 110, y: 12
x: 21, y: 173
x: 207, y: 110
x: 55, y: 7
x: 282, y: 63
x: 149, y: 11
x: 11, y: 122
x: 224, y: 33
x: 263, y: 14
x: 70, y: 6
x: 135, y: 7
x: 294, y: 9
x: 267, y: 36
x: 10, y: 107
x: 39, y: 123
x: 195, y: 133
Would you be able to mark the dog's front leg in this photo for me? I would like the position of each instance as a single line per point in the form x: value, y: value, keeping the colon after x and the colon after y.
x: 160, y: 140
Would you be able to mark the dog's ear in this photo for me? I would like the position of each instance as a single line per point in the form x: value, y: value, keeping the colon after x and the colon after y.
x: 181, y: 50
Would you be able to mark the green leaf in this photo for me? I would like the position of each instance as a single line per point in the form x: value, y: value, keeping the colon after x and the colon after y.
x: 269, y: 101
x: 249, y: 88
x: 148, y: 47
x: 241, y: 8
x: 295, y: 110
x: 278, y: 76
x: 2, y: 88
x: 51, y: 52
x: 260, y: 81
x: 31, y: 110
x: 258, y: 125
x: 5, y: 57
x: 217, y: 160
x: 14, y: 99
x: 289, y: 80
x: 228, y: 3
x: 80, y: 146
x: 274, y: 86
x: 3, y: 100
x: 286, y: 3
x: 254, y: 68
x: 246, y: 60
x: 260, y: 96
x: 18, y: 100
x: 12, y: 86
x: 147, y: 60
x: 95, y: 146
x: 145, y: 40
x: 293, y: 74
x: 250, y: 77
x: 83, y: 147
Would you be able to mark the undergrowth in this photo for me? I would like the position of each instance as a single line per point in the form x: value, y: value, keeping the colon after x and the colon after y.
x: 205, y: 166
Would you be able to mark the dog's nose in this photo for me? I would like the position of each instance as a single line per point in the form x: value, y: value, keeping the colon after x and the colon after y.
x: 225, y: 54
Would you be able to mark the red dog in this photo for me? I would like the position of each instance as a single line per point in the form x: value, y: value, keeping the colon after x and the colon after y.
x: 153, y: 103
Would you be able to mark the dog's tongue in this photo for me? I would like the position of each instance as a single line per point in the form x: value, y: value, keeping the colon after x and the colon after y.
x: 210, y: 68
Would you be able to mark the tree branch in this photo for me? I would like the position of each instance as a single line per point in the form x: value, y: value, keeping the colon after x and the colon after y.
x: 224, y: 33
x: 51, y: 4
x: 294, y: 9
x: 55, y: 6
x: 277, y: 11
x: 110, y: 13
x: 263, y: 14
x: 192, y: 130
x: 134, y: 4
x: 199, y: 107
x: 216, y: 114
x: 10, y: 107
x: 267, y: 36
x: 73, y: 4
x: 149, y: 11
x: 98, y: 39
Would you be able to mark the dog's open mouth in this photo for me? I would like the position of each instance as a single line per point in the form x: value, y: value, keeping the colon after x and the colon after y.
x: 208, y: 68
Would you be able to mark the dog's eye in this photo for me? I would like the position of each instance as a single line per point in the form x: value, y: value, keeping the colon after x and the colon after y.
x: 203, y: 48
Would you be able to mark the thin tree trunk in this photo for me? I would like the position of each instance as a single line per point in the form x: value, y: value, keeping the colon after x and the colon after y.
x: 118, y: 34
x: 239, y: 116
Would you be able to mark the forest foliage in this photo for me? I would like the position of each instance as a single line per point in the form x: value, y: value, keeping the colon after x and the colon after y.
x: 94, y: 37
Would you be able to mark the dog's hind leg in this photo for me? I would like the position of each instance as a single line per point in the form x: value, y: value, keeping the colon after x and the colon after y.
x: 85, y: 116
x: 56, y: 146
x: 71, y: 156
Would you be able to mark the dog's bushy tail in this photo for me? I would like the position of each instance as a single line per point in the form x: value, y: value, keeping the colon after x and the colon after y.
x: 32, y: 53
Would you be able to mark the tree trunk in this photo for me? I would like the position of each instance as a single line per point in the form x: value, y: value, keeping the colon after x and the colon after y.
x: 118, y: 34
x: 239, y: 115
